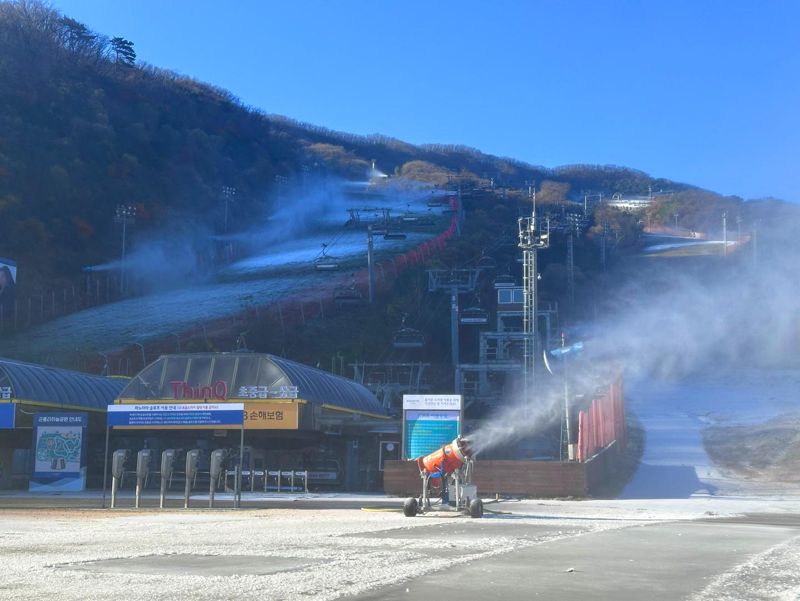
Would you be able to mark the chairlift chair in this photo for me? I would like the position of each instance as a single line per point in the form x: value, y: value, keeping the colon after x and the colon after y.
x: 347, y: 295
x: 389, y: 235
x: 326, y: 262
x: 505, y: 281
x: 486, y: 262
x: 407, y: 338
x: 473, y: 316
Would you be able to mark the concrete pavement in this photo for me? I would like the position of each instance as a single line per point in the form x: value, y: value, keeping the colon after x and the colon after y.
x: 666, y: 561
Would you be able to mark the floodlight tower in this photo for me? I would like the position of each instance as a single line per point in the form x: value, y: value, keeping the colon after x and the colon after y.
x: 126, y: 214
x: 228, y: 196
x: 531, y: 240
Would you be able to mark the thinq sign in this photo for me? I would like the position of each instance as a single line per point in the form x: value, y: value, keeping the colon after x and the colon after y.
x: 176, y: 415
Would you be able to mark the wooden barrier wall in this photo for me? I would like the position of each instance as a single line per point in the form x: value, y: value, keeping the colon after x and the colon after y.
x: 545, y: 479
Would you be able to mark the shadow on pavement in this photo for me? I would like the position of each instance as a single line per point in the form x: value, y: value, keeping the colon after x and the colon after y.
x: 665, y: 482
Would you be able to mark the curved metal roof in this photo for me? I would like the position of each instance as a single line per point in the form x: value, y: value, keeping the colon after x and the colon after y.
x: 248, y: 375
x: 62, y: 387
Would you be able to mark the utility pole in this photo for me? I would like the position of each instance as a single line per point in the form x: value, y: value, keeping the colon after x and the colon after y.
x: 603, y: 245
x: 738, y: 229
x: 228, y: 196
x: 125, y: 214
x: 370, y: 269
x: 675, y: 215
x: 725, y: 234
x: 755, y: 245
x: 531, y: 240
x: 574, y: 224
x: 571, y: 269
x: 567, y: 419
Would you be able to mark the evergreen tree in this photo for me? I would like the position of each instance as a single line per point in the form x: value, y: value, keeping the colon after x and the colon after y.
x: 123, y: 51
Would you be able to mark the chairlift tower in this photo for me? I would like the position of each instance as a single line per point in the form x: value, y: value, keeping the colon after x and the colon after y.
x: 455, y: 281
x: 531, y: 241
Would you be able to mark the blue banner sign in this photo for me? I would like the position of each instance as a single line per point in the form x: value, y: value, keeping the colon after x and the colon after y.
x: 176, y: 415
x: 7, y: 415
x: 59, y: 452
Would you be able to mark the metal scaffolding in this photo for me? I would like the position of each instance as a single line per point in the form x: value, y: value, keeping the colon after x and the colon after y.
x: 531, y: 240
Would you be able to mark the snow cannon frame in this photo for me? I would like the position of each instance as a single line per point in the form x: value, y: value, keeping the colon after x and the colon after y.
x: 452, y: 465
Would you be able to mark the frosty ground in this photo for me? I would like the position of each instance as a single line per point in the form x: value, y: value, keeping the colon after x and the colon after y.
x: 683, y: 529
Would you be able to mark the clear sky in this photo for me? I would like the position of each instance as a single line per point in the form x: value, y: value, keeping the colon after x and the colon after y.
x: 704, y: 92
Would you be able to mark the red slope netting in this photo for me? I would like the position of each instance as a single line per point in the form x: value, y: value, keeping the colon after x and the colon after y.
x: 603, y: 422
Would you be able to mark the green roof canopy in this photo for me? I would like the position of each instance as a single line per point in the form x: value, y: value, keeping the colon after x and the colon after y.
x: 246, y: 375
x: 40, y: 384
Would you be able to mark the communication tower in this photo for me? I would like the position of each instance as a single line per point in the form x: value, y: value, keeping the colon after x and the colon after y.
x: 531, y: 240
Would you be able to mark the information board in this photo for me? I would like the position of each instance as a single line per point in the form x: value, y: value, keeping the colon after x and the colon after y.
x: 217, y: 416
x: 59, y: 452
x: 7, y: 415
x: 429, y: 422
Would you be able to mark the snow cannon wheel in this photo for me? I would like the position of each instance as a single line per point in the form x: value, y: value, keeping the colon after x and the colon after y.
x: 410, y: 507
x: 476, y: 508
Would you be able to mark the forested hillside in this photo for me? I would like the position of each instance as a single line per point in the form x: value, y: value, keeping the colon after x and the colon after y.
x: 84, y: 127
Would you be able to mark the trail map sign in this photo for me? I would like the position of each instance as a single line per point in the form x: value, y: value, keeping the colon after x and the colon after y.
x: 59, y: 452
x: 429, y: 421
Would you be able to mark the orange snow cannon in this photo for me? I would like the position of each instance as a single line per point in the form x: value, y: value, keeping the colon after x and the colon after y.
x: 446, y: 460
x: 451, y: 468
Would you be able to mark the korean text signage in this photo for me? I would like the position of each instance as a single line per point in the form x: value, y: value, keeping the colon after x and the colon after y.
x: 268, y: 392
x: 59, y: 452
x: 218, y: 391
x: 429, y: 421
x: 271, y: 416
x: 217, y: 416
x: 7, y: 415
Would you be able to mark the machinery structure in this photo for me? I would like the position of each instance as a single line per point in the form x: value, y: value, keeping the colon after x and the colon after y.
x: 446, y: 469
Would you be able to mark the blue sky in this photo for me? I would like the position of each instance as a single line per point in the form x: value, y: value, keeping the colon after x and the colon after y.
x: 705, y: 92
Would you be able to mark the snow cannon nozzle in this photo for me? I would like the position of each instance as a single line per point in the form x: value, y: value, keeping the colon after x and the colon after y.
x: 464, y: 446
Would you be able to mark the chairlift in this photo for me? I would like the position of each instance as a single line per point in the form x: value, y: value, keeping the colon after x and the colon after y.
x: 486, y: 262
x: 473, y: 316
x: 409, y: 216
x: 347, y: 295
x: 505, y: 280
x: 406, y: 337
x: 326, y: 262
